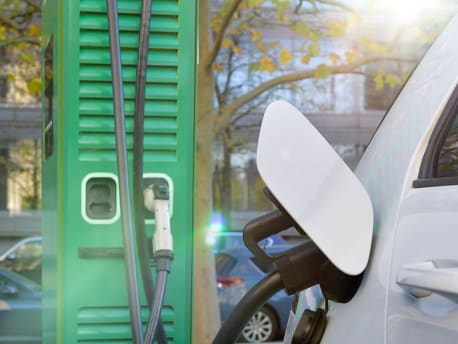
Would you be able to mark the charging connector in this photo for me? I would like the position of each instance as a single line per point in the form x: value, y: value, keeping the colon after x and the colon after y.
x: 157, y: 200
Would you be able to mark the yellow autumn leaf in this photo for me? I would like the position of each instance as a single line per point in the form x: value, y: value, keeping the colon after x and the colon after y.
x: 255, y: 35
x: 226, y: 43
x: 255, y: 3
x: 244, y: 26
x: 217, y: 67
x: 305, y: 59
x: 34, y: 86
x: 266, y: 64
x: 314, y: 49
x: 285, y: 56
x: 393, y: 80
x: 274, y: 44
x: 34, y: 29
x: 337, y: 28
x: 282, y: 18
x: 236, y: 49
x: 379, y: 81
x: 351, y: 55
x: 322, y: 71
x: 234, y: 31
x: 282, y: 5
x: 261, y: 46
x: 334, y: 58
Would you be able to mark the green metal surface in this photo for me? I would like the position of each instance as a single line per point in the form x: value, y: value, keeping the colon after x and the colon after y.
x: 85, y: 298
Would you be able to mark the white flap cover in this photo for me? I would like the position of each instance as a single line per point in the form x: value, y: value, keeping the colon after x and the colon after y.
x: 315, y: 186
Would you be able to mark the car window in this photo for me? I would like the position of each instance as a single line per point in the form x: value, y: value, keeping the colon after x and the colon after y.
x: 440, y: 161
x: 224, y: 263
x: 21, y: 282
x: 28, y: 250
x: 447, y: 164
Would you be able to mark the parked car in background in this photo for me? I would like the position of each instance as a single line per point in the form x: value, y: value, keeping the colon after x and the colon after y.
x: 237, y: 272
x: 20, y: 309
x: 24, y: 258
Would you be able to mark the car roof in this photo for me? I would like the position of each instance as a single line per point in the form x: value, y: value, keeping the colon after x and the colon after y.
x: 19, y: 243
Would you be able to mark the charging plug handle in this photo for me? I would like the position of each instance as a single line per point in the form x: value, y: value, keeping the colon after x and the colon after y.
x: 302, y: 266
x: 263, y: 227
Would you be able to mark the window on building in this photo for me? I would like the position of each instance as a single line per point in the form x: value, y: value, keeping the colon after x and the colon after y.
x: 3, y: 88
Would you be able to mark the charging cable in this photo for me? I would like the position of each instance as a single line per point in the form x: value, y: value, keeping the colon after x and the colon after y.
x: 157, y: 198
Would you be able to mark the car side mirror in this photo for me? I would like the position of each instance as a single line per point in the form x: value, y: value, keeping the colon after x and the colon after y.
x: 315, y: 187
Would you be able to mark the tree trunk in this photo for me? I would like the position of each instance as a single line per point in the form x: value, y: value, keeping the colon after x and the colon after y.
x: 206, y: 311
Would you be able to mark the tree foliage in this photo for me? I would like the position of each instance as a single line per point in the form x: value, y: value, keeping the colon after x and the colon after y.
x: 20, y: 37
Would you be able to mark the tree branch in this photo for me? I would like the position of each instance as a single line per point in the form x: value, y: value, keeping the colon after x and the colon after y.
x: 337, y: 4
x: 229, y: 74
x: 35, y: 5
x: 298, y: 6
x: 9, y: 23
x: 218, y: 94
x: 220, y: 34
x: 29, y: 40
x: 226, y: 112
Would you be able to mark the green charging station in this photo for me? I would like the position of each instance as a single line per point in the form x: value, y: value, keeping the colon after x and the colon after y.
x: 84, y: 281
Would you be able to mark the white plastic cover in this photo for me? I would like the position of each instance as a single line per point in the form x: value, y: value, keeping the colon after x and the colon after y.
x: 315, y: 186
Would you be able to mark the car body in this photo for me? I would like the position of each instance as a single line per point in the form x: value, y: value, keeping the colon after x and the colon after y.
x: 24, y: 258
x: 20, y: 309
x: 237, y: 272
x: 409, y: 291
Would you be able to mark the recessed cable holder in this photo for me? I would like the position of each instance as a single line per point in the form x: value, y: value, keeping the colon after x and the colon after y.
x: 297, y: 269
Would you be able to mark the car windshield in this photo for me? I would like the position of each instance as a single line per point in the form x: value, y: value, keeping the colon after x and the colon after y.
x: 28, y: 250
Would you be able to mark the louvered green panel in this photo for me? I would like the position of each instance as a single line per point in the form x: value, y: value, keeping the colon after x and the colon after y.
x: 108, y: 324
x: 95, y: 75
x: 86, y: 296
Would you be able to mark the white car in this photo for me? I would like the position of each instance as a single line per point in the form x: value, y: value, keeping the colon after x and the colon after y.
x: 384, y: 240
x: 409, y: 291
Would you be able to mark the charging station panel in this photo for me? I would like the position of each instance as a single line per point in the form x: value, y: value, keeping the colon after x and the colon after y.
x: 84, y: 285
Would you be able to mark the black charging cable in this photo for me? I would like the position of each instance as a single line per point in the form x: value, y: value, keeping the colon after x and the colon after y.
x: 138, y: 134
x: 247, y: 306
x: 123, y: 173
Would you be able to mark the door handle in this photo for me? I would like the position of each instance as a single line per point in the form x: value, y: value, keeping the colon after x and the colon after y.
x: 424, y: 278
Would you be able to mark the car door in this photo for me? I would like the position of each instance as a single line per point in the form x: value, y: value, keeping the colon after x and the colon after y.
x: 422, y: 304
x: 20, y: 309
